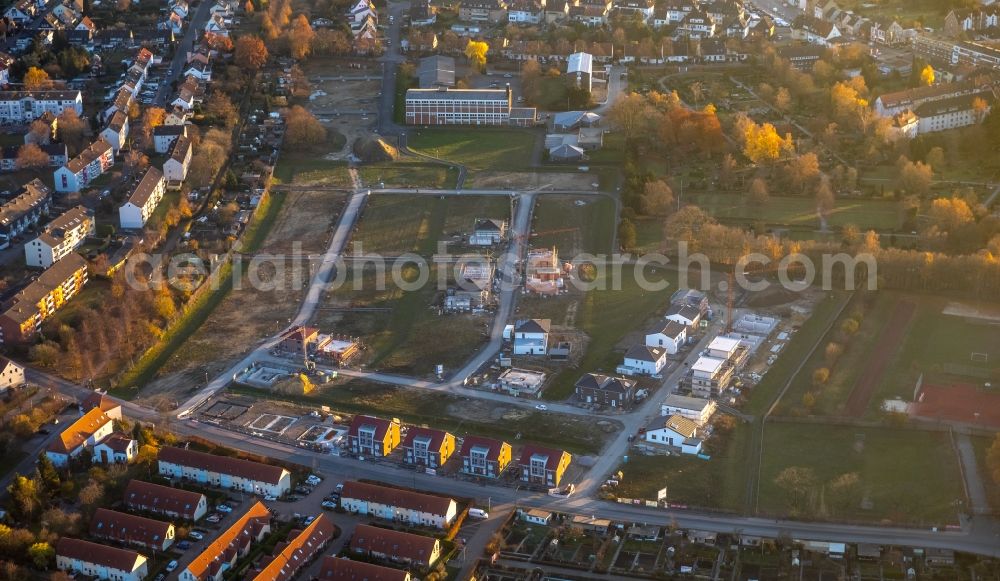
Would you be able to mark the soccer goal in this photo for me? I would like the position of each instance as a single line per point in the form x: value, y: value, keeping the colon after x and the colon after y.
x: 978, y: 357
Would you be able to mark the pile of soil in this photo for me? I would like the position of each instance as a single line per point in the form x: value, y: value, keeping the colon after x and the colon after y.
x: 374, y: 149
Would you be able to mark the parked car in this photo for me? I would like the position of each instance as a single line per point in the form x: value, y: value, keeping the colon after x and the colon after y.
x: 171, y: 566
x: 328, y: 504
x: 224, y: 508
x: 213, y: 518
x: 184, y: 545
x: 541, y: 407
x: 270, y: 497
x: 196, y: 535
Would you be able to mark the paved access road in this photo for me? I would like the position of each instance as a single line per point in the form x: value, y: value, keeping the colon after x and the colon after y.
x: 981, y: 535
x: 324, y: 275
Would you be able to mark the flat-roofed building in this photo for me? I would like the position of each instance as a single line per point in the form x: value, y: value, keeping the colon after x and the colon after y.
x: 443, y: 106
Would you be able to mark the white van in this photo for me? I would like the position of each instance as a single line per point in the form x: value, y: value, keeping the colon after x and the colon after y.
x: 478, y: 513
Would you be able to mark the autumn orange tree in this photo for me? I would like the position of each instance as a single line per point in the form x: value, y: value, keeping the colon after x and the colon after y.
x: 303, y: 129
x: 36, y: 79
x: 31, y: 156
x: 250, y: 53
x: 300, y: 37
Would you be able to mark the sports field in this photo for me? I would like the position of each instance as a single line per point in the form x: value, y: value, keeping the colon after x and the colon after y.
x: 944, y: 348
x: 801, y: 211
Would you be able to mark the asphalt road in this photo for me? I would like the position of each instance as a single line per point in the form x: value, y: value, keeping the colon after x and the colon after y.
x: 981, y: 535
x: 390, y: 62
x: 194, y: 24
x: 322, y: 278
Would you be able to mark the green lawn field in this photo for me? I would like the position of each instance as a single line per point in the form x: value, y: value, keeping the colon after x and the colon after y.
x: 409, y: 336
x: 573, y: 228
x: 718, y: 483
x: 982, y: 445
x: 607, y: 316
x: 477, y: 149
x: 409, y: 175
x: 801, y: 211
x: 395, y: 224
x: 906, y: 476
x: 831, y: 397
x: 764, y: 393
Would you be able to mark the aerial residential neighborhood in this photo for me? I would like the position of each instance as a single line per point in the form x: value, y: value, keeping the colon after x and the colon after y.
x: 499, y: 290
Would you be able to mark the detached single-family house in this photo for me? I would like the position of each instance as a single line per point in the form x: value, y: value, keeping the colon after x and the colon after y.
x: 685, y: 315
x: 670, y: 335
x: 100, y: 561
x: 696, y: 409
x: 371, y: 436
x: 398, y: 505
x: 488, y: 232
x: 544, y: 466
x: 536, y: 516
x: 143, y: 200
x: 617, y: 392
x: 531, y: 337
x: 427, y: 447
x: 116, y: 449
x: 232, y: 473
x: 676, y: 431
x: 86, y: 432
x: 484, y: 456
x: 396, y: 546
x: 164, y: 500
x: 176, y: 167
x: 11, y: 375
x: 130, y: 529
x: 645, y: 360
x: 60, y: 237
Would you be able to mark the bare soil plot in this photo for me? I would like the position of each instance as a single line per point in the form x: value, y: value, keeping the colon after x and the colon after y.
x: 249, y: 314
x: 401, y: 331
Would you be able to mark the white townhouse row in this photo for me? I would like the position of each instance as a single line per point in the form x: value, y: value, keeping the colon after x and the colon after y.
x: 232, y: 473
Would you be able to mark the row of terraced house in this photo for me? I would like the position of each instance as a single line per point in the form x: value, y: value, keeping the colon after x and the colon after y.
x: 431, y: 449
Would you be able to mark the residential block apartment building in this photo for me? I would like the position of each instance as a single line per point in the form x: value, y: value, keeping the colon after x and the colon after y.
x: 398, y: 505
x: 84, y: 168
x: 427, y: 447
x: 60, y: 237
x: 22, y: 315
x: 371, y: 436
x: 22, y: 107
x: 484, y: 456
x: 142, y: 202
x: 24, y: 210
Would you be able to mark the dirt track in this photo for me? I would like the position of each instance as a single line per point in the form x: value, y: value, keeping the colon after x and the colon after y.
x: 887, y: 344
